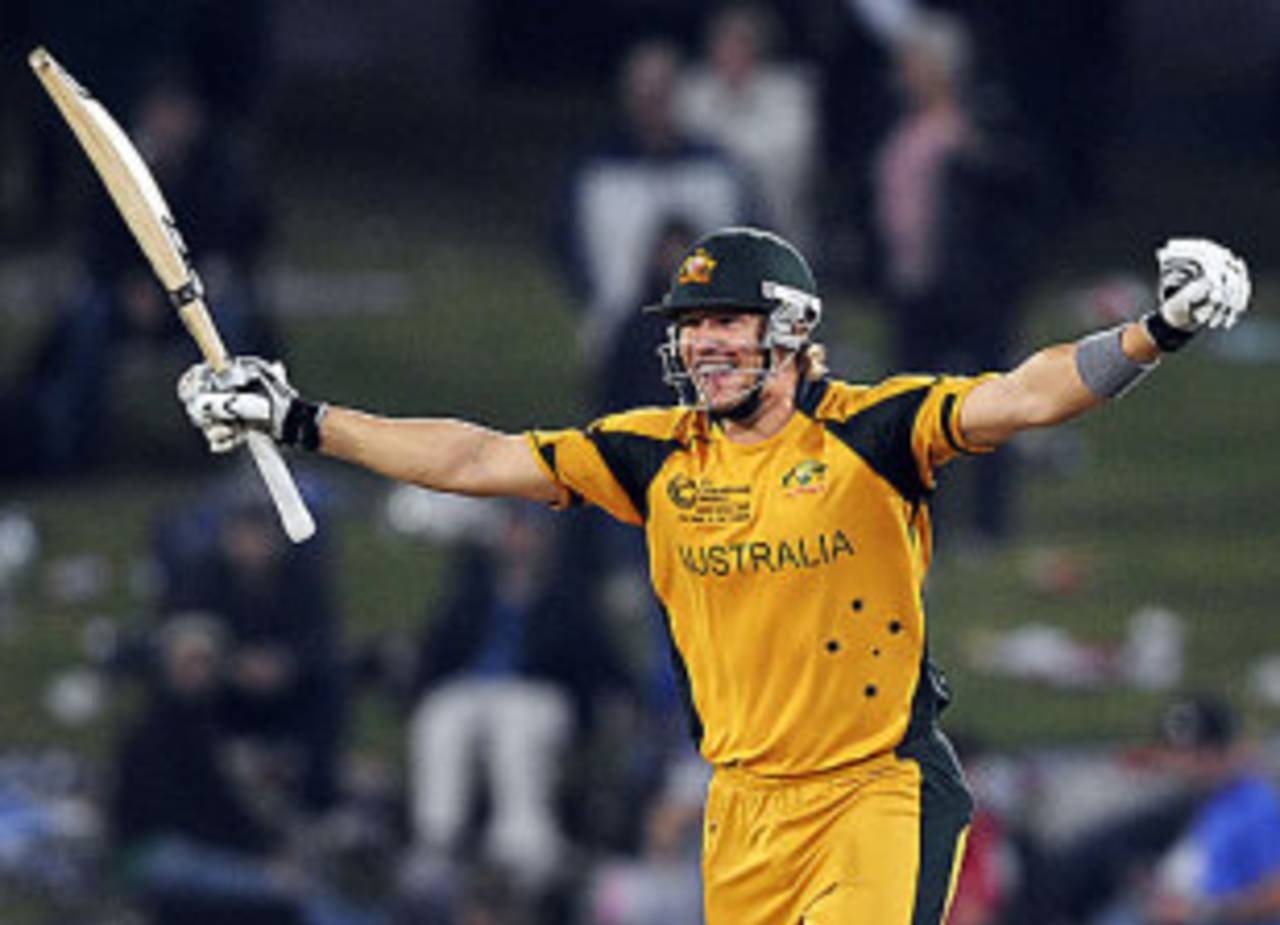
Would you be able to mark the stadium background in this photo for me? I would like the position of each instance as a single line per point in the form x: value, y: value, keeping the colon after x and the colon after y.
x: 413, y: 149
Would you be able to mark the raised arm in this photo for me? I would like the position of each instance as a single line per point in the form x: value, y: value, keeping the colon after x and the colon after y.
x: 1045, y: 389
x: 438, y: 453
x: 1201, y: 285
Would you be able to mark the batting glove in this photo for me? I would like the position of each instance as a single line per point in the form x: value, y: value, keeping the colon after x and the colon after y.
x: 1202, y: 284
x: 249, y: 394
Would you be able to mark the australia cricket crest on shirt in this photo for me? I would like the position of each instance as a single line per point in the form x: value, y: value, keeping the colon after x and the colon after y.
x: 805, y: 478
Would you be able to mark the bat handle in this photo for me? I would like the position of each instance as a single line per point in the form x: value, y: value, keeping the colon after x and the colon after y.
x: 294, y: 516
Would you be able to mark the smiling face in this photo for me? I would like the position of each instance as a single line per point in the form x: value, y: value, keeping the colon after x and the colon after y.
x: 742, y: 304
x: 721, y: 350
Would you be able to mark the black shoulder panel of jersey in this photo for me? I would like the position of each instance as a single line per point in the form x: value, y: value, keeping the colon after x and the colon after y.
x: 948, y: 406
x: 881, y: 435
x: 810, y: 394
x: 548, y: 453
x: 634, y: 460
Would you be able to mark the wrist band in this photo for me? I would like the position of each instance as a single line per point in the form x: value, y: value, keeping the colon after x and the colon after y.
x: 1167, y: 337
x: 1104, y: 368
x: 302, y: 424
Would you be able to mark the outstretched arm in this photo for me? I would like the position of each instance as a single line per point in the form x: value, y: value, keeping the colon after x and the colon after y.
x: 1201, y: 285
x: 1045, y: 389
x: 438, y: 453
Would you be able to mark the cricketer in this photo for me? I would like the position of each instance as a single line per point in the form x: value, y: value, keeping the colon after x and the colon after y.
x: 786, y: 514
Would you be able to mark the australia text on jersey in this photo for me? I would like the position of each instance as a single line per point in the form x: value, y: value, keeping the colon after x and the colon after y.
x: 750, y: 556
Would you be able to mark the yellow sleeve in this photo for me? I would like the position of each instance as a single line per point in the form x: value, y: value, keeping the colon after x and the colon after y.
x: 936, y: 437
x: 572, y: 460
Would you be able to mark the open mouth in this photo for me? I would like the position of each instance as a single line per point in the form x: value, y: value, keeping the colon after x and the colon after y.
x: 714, y: 367
x: 722, y: 384
x: 714, y: 373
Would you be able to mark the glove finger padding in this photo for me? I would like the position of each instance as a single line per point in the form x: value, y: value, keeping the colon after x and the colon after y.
x: 1230, y: 294
x: 268, y: 380
x: 1198, y: 253
x: 238, y: 408
x: 251, y: 370
x: 223, y: 438
x: 197, y: 379
x: 249, y: 391
x: 1181, y: 307
x: 1225, y: 295
x: 1177, y: 273
x: 1238, y: 290
x: 201, y: 379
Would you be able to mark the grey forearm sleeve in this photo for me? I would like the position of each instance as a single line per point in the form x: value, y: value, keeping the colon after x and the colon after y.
x: 1103, y: 366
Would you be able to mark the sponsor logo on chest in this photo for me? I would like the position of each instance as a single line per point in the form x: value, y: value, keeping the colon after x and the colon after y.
x: 703, y: 502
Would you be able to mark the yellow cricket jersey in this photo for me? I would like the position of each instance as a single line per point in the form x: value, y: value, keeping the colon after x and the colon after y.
x: 790, y: 570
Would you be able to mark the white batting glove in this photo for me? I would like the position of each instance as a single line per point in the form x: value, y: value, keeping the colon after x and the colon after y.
x: 1202, y: 284
x: 249, y: 394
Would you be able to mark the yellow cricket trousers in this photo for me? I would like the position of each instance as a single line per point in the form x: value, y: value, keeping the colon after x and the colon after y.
x: 876, y: 843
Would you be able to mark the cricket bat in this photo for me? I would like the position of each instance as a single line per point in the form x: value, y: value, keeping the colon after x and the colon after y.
x: 141, y: 204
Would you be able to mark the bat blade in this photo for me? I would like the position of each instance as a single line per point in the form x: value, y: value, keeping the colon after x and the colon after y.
x: 142, y: 206
x: 122, y: 171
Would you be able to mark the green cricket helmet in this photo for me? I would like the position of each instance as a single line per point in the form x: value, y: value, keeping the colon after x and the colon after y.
x: 745, y: 270
x: 749, y: 270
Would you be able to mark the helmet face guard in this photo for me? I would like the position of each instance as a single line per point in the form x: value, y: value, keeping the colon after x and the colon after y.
x: 788, y: 327
x: 748, y: 271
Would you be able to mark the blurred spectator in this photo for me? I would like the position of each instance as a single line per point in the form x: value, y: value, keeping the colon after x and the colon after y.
x: 764, y: 114
x: 1090, y: 819
x: 1225, y: 867
x: 228, y: 556
x: 510, y: 671
x: 117, y: 49
x: 1033, y: 49
x: 1071, y: 100
x: 630, y: 373
x: 193, y: 846
x: 613, y: 563
x: 645, y: 170
x: 955, y: 214
x: 662, y: 884
x: 856, y: 104
x: 120, y: 312
x: 990, y: 875
x: 171, y: 776
x: 982, y: 890
x: 51, y: 826
x: 16, y: 158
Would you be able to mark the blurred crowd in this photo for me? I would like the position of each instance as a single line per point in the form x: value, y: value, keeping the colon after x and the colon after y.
x: 920, y: 153
x: 542, y: 772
